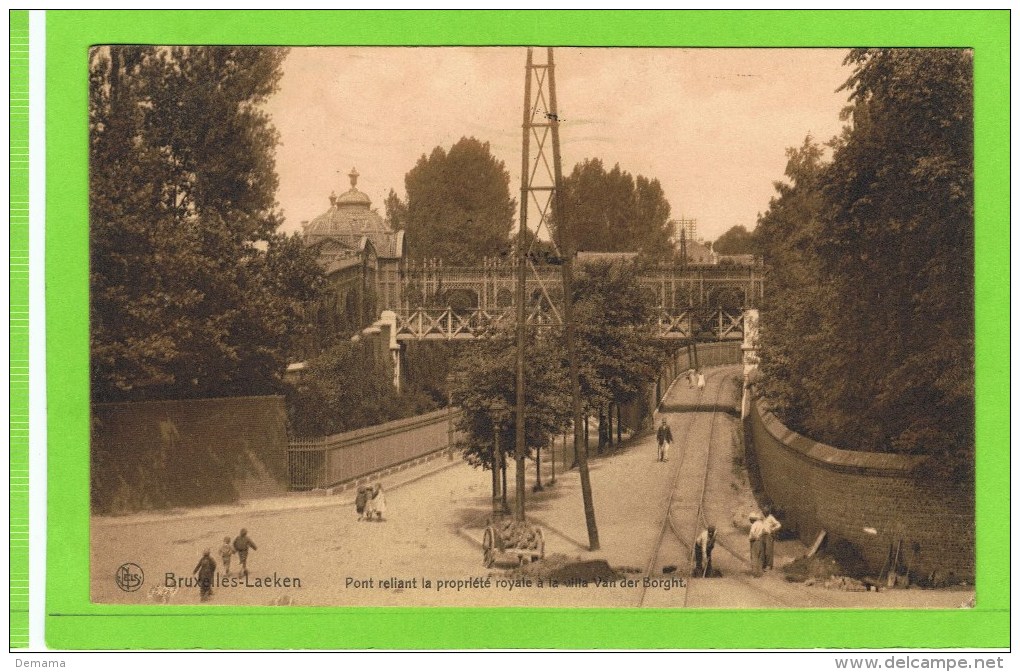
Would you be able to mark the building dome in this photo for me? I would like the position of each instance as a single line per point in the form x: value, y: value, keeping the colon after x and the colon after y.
x: 361, y: 256
x: 349, y: 214
x: 350, y: 218
x: 352, y: 196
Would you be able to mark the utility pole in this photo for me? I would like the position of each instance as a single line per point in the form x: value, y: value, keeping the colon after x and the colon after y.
x: 567, y: 237
x: 520, y: 449
x: 540, y: 185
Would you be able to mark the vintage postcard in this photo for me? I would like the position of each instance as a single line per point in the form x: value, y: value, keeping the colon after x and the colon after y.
x: 296, y: 398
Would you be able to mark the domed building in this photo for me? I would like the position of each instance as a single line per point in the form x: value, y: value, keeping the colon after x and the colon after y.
x: 362, y: 257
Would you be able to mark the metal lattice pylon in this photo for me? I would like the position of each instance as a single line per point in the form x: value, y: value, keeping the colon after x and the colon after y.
x: 538, y: 177
x: 541, y: 184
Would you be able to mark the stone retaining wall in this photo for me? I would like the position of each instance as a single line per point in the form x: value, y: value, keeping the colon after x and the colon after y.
x: 190, y: 452
x: 852, y: 493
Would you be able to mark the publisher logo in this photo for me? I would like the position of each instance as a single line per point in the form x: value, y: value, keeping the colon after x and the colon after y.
x: 129, y: 577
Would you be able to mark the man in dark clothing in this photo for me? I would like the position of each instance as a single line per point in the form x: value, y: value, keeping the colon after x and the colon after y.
x: 703, y: 545
x: 241, y: 545
x: 206, y: 571
x: 665, y: 438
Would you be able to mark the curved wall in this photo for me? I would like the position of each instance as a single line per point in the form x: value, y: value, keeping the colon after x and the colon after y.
x: 815, y: 486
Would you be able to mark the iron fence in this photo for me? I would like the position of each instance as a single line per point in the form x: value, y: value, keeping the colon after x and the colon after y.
x: 341, y: 458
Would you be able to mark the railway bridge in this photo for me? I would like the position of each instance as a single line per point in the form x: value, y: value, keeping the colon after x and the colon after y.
x: 443, y: 302
x: 705, y: 303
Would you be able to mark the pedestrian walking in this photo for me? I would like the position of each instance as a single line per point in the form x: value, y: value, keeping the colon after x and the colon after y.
x: 242, y: 544
x: 206, y: 571
x: 703, y: 545
x: 701, y: 382
x: 226, y: 550
x: 665, y: 439
x: 692, y: 378
x: 757, y: 545
x: 771, y: 526
x: 378, y: 501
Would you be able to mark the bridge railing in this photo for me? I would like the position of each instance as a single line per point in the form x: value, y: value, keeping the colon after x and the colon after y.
x: 452, y: 324
x: 449, y: 324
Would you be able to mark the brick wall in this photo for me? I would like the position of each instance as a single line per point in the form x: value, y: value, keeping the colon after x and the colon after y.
x: 816, y: 486
x: 162, y: 454
x: 639, y: 412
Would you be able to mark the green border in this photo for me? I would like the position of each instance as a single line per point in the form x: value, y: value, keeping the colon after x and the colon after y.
x: 72, y: 622
x: 18, y: 329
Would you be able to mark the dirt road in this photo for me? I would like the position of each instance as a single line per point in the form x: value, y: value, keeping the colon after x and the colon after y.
x: 428, y: 549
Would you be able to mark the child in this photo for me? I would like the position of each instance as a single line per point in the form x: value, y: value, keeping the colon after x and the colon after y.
x: 369, y: 503
x: 241, y: 544
x: 226, y: 550
x: 206, y: 570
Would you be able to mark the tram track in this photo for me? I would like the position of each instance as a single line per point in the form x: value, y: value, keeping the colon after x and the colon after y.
x: 676, y: 538
x: 669, y: 531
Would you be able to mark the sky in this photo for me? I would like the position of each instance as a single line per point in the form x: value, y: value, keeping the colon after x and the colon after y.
x: 712, y: 125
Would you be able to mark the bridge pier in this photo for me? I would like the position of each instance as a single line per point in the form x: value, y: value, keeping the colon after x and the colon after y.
x: 384, y: 334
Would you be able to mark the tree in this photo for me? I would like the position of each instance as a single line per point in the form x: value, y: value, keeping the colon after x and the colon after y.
x: 347, y: 387
x: 616, y: 341
x: 396, y: 211
x: 486, y: 394
x: 900, y: 245
x: 737, y: 240
x: 794, y: 329
x: 458, y: 205
x: 193, y: 293
x: 614, y: 212
x: 883, y: 262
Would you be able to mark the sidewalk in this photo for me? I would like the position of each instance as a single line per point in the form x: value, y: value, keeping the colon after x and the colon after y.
x: 340, y: 496
x: 630, y: 489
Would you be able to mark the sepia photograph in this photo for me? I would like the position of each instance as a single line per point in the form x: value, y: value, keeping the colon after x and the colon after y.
x: 531, y: 327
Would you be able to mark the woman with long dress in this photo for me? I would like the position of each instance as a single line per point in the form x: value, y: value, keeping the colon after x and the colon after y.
x: 378, y: 502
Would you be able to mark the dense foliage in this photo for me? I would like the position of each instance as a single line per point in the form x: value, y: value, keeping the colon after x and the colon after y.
x: 868, y: 332
x: 426, y: 367
x: 193, y: 291
x: 617, y: 355
x: 350, y: 386
x: 617, y: 349
x: 612, y: 211
x: 737, y: 240
x: 458, y: 205
x: 487, y: 395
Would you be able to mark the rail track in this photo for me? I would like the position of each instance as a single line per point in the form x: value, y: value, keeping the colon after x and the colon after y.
x: 685, y: 515
x: 673, y: 542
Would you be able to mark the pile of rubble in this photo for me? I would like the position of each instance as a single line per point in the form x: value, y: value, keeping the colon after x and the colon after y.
x: 563, y: 568
x: 846, y: 583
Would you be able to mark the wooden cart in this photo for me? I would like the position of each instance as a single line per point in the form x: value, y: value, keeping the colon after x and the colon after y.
x: 495, y: 549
